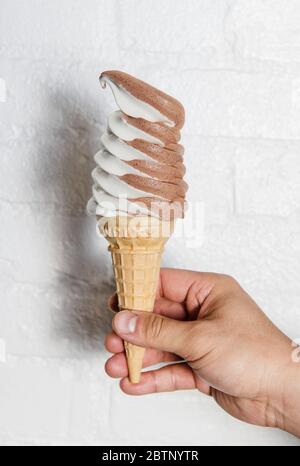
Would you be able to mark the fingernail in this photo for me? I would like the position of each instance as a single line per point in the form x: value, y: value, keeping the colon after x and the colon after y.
x: 125, y: 322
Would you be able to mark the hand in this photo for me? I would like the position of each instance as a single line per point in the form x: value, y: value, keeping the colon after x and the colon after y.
x: 231, y: 350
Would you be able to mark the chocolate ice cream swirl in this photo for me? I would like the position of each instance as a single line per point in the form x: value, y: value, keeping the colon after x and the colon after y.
x: 140, y: 168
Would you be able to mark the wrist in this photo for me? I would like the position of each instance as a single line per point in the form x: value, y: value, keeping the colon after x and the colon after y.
x: 286, y: 400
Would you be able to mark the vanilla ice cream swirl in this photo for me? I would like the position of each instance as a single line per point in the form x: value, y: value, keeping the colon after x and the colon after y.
x: 140, y: 167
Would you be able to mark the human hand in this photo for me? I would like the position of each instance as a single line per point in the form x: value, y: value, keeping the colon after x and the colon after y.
x: 231, y: 350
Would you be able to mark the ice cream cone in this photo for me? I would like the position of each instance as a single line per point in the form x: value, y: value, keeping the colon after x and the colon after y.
x: 138, y: 182
x: 136, y: 245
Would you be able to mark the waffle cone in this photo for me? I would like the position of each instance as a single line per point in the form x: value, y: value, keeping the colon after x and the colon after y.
x: 136, y: 245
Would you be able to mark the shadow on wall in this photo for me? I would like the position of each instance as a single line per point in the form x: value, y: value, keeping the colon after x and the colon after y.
x: 83, y: 277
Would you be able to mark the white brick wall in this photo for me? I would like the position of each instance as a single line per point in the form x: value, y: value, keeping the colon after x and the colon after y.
x: 236, y: 66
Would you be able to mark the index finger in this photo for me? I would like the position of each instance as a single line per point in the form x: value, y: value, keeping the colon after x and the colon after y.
x: 185, y: 286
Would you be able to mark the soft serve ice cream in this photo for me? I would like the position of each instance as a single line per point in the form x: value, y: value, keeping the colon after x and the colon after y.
x: 140, y: 168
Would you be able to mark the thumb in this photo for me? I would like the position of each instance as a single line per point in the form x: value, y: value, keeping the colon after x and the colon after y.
x: 154, y: 331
